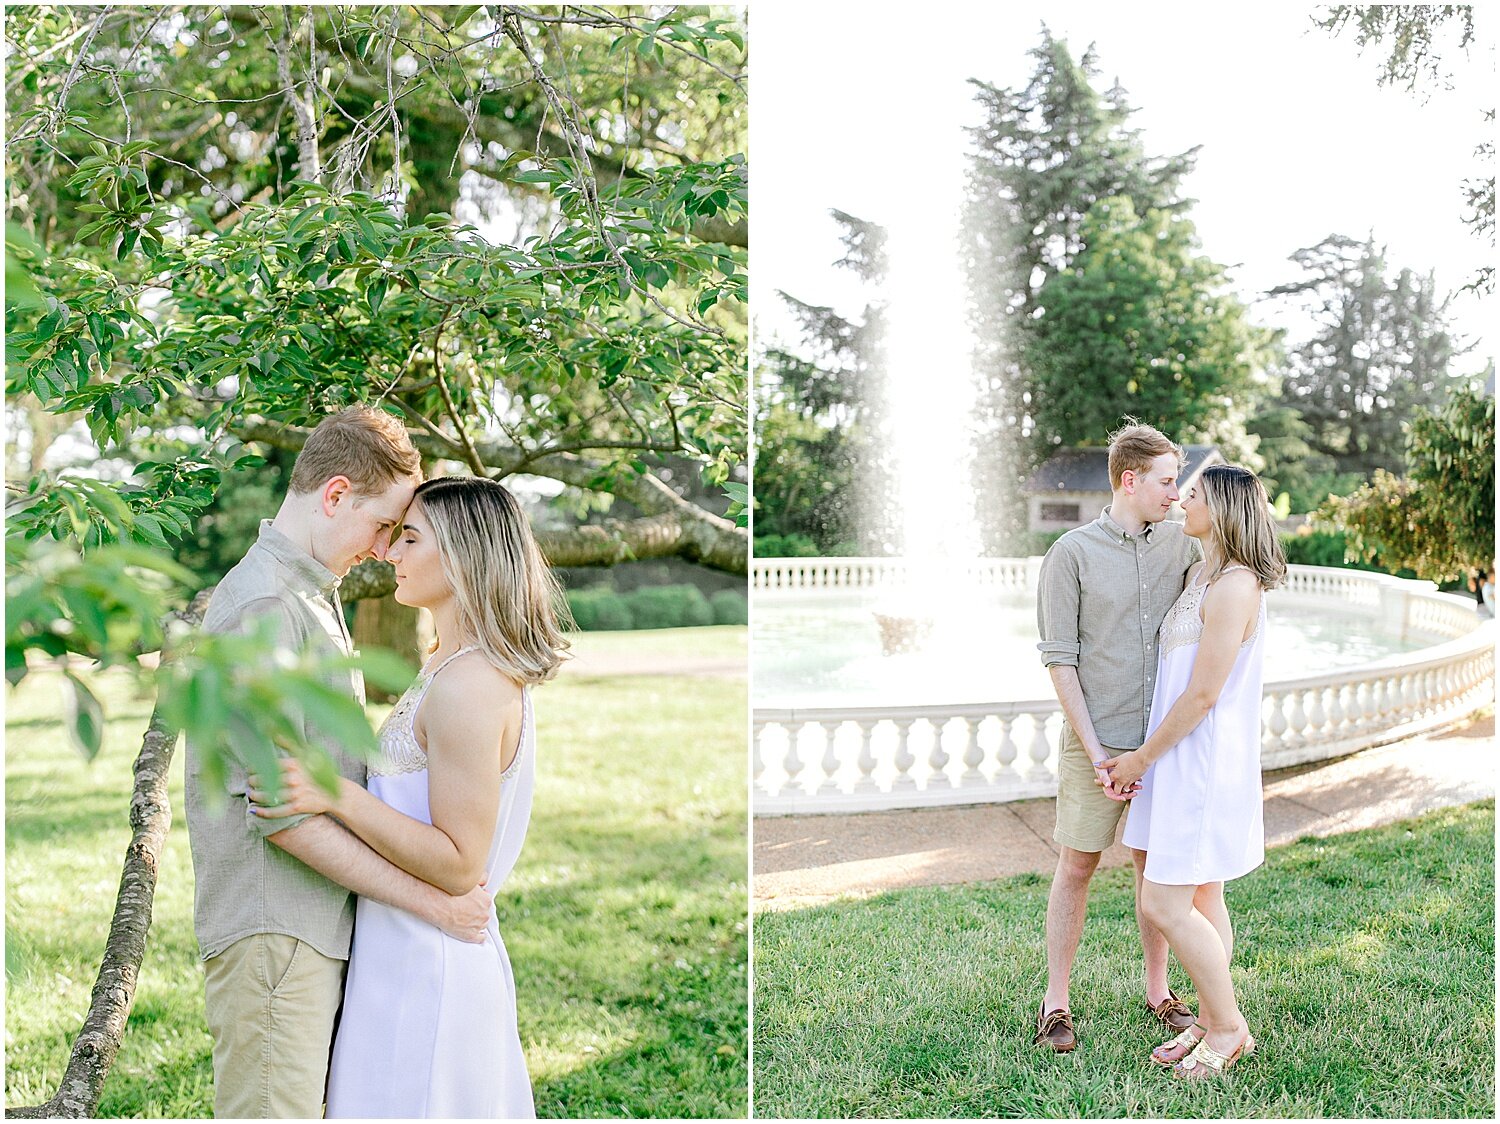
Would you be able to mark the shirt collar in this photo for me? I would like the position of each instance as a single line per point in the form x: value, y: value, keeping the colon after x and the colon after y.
x: 1118, y: 533
x: 297, y: 560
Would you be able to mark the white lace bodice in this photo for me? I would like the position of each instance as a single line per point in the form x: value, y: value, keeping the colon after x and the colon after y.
x: 399, y: 751
x: 1183, y: 623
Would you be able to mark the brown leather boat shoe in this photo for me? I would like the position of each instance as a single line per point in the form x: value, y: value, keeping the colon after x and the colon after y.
x: 1173, y: 1012
x: 1055, y: 1029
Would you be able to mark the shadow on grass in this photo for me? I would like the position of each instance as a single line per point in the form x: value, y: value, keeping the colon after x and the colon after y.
x: 643, y: 939
x: 1363, y: 963
x: 624, y: 919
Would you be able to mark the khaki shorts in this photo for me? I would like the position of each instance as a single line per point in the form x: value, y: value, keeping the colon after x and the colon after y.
x: 270, y: 1003
x: 1087, y: 820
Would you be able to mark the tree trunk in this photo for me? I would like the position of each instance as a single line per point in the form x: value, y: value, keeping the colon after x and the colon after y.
x: 383, y: 622
x: 114, y: 990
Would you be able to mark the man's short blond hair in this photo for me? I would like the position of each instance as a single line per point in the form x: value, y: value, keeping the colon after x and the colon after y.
x: 370, y: 447
x: 1134, y: 446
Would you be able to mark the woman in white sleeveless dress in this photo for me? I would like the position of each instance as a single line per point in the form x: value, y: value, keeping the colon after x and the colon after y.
x: 428, y: 1026
x: 1197, y: 805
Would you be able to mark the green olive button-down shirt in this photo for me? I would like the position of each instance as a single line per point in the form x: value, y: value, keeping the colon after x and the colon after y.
x: 244, y: 883
x: 1101, y: 598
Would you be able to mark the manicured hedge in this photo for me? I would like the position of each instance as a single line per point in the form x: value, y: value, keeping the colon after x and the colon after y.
x: 669, y: 606
x: 600, y: 608
x: 730, y: 607
x: 801, y: 546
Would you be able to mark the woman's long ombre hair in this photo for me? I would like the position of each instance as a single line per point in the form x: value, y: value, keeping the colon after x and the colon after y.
x: 1240, y: 512
x: 508, y: 601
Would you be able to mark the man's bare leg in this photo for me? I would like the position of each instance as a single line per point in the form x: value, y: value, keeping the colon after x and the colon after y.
x: 1153, y: 943
x: 1067, y: 905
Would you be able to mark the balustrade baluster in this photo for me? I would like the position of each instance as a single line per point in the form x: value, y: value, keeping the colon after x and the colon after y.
x: 1365, y: 709
x: 1041, y: 749
x: 903, y: 760
x: 1276, y: 725
x: 1296, y: 720
x: 830, y: 763
x: 1316, y: 715
x: 973, y: 755
x: 938, y: 757
x: 1005, y: 752
x: 791, y: 764
x: 1336, y: 711
x: 865, y: 780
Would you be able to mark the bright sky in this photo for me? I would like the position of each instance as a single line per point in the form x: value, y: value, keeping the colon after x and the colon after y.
x: 865, y: 112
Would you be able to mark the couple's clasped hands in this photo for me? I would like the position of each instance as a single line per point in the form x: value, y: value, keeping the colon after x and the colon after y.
x: 1120, y: 777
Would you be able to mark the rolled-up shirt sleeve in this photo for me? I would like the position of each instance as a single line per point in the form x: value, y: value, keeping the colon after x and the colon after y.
x: 1057, y: 607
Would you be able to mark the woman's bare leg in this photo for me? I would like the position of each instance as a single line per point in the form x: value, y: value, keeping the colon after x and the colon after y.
x: 1200, y: 948
x: 1209, y: 901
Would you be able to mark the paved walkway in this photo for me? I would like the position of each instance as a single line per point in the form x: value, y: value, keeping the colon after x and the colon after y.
x: 808, y: 860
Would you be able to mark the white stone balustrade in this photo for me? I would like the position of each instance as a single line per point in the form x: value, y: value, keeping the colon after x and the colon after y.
x: 849, y: 759
x: 864, y: 573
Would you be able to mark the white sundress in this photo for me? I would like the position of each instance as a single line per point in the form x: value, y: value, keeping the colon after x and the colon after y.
x: 1199, y: 814
x: 428, y: 1027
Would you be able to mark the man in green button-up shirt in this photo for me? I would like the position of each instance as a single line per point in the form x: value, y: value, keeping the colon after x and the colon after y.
x: 1103, y: 592
x: 272, y: 903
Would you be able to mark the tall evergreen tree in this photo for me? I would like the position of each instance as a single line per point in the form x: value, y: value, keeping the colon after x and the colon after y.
x: 1042, y: 155
x: 1381, y: 349
x: 820, y: 410
x: 1140, y: 324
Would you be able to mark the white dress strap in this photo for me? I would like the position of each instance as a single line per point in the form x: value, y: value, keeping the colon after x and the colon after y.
x: 399, y: 751
x: 461, y: 652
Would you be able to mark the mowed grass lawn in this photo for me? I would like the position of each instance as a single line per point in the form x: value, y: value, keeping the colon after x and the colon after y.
x: 1364, y: 962
x: 624, y: 919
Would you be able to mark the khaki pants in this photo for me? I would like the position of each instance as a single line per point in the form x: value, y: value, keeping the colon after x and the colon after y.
x: 270, y: 1002
x: 1086, y: 818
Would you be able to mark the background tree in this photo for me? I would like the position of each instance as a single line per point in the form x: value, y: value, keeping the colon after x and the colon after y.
x: 1042, y: 156
x: 1140, y: 323
x: 1292, y: 466
x: 820, y: 472
x: 1439, y: 519
x: 1381, y: 350
x: 234, y: 296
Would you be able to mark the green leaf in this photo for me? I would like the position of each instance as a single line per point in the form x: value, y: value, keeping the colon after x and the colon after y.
x: 384, y: 669
x: 83, y: 715
x: 322, y: 769
x: 15, y: 662
x: 332, y: 713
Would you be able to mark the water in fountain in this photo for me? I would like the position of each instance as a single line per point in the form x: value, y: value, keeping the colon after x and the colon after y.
x: 929, y: 401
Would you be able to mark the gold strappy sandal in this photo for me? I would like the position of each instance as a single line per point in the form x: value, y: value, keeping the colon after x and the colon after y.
x: 1205, y: 1062
x: 1170, y: 1053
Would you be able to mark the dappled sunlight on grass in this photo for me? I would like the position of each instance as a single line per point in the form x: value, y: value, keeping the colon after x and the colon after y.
x: 1364, y: 965
x: 624, y: 919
